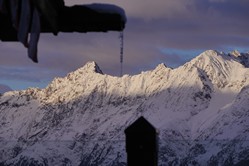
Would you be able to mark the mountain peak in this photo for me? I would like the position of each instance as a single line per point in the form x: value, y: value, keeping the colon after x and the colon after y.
x: 161, y: 66
x: 210, y: 52
x: 91, y: 67
x: 218, y: 66
x: 212, y: 56
x: 235, y: 53
x: 197, y: 103
x: 88, y: 70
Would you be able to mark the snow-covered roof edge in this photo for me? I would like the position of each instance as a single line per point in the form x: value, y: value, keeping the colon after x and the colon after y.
x: 108, y: 8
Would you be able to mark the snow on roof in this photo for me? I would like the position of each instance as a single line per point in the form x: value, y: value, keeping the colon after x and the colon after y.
x: 108, y: 8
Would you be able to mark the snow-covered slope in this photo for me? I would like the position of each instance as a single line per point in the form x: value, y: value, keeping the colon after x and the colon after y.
x: 200, y: 109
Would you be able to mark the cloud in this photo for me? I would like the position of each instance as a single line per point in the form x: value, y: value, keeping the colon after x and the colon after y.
x: 152, y: 25
x: 217, y: 1
x: 177, y: 9
x: 146, y: 9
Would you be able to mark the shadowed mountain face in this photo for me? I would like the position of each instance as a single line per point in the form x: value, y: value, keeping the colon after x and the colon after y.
x: 200, y: 110
x: 4, y: 88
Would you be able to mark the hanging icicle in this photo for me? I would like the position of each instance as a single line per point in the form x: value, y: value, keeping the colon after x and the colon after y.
x: 121, y: 37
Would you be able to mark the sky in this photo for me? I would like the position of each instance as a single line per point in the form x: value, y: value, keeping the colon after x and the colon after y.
x: 159, y: 31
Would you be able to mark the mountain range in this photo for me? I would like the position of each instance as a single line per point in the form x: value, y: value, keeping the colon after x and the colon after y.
x: 200, y: 109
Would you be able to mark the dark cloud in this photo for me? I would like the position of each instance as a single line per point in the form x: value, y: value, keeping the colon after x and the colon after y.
x: 152, y: 26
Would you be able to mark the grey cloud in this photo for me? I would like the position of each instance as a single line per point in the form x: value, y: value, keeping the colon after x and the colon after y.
x: 19, y: 73
x: 158, y: 9
x: 146, y: 9
x: 217, y: 1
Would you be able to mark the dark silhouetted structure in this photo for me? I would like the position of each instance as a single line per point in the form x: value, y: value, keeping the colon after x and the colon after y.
x: 78, y: 18
x: 141, y: 144
x: 24, y: 20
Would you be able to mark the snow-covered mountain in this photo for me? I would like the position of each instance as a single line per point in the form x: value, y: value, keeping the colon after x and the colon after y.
x: 200, y: 109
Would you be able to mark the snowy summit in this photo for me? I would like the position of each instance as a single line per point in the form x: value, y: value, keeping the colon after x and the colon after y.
x: 200, y: 110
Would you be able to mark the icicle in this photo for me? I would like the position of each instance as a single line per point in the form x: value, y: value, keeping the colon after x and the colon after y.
x: 121, y: 37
